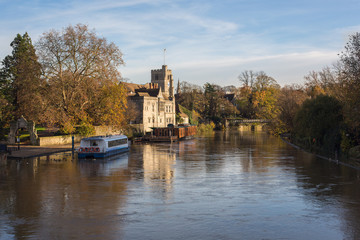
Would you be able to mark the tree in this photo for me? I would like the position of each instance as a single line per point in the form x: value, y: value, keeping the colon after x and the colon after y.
x: 112, y: 106
x: 244, y: 103
x: 318, y: 122
x: 349, y: 77
x: 20, y: 80
x: 212, y: 99
x: 264, y: 95
x: 247, y: 78
x: 265, y: 103
x: 191, y: 97
x: 325, y: 81
x: 81, y: 72
x: 258, y: 95
x: 264, y: 82
x: 216, y: 105
x: 229, y: 89
x: 351, y: 58
x: 289, y: 102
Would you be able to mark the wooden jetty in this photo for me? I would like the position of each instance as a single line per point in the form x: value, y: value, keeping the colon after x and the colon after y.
x: 30, y: 151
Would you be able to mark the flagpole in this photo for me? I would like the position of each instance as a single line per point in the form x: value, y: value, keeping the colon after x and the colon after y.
x: 164, y: 55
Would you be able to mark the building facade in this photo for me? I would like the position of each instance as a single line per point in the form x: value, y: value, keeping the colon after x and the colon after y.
x: 154, y: 102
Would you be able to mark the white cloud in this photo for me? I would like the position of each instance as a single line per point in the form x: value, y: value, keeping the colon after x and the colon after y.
x: 202, y: 47
x: 285, y: 68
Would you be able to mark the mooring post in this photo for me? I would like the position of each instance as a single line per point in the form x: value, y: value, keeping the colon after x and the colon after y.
x: 72, y: 145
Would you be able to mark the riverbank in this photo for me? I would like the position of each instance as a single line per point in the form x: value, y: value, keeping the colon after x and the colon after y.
x: 352, y: 163
x: 28, y: 151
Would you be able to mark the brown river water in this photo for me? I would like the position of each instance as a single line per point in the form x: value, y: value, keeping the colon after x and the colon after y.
x: 232, y: 185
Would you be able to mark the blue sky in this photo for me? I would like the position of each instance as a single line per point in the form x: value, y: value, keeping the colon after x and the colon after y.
x: 206, y: 41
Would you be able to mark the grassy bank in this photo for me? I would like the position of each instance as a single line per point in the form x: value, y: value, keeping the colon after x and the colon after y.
x: 332, y: 157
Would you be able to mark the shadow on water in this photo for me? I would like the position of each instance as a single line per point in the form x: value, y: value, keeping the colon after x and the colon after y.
x: 52, y: 197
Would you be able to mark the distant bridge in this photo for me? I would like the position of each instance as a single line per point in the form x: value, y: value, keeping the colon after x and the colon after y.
x: 241, y: 120
x: 251, y: 124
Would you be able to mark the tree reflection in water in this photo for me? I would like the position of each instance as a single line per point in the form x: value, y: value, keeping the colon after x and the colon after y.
x: 231, y: 185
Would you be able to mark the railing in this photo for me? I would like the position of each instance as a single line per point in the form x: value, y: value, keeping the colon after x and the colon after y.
x: 9, y: 149
x: 248, y: 120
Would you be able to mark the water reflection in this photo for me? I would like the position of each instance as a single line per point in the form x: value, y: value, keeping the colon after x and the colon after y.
x: 51, y: 197
x: 232, y: 185
x: 333, y: 189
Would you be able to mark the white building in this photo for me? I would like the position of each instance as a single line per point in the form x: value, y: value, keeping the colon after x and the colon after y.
x: 154, y: 102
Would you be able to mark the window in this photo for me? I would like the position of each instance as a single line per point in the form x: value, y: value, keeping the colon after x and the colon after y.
x: 153, y: 119
x: 161, y: 106
x: 153, y: 107
x: 117, y: 142
x: 156, y: 77
x: 149, y: 119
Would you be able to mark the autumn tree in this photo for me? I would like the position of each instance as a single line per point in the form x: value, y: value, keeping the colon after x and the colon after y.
x: 191, y: 97
x: 244, y: 102
x: 20, y: 81
x: 289, y: 102
x: 325, y: 81
x: 261, y: 92
x: 81, y: 71
x: 349, y: 77
x: 111, y: 105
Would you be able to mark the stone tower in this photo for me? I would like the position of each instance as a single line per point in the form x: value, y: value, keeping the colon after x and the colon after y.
x: 164, y: 79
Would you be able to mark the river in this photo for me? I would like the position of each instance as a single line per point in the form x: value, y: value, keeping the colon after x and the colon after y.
x: 232, y: 185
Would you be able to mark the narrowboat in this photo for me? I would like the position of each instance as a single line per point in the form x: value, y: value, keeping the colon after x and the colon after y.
x: 103, y: 146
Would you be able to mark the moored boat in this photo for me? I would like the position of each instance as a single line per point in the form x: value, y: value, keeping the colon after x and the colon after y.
x: 171, y: 133
x: 103, y: 146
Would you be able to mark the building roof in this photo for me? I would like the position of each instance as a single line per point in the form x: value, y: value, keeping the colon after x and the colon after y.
x: 230, y: 96
x: 153, y: 92
x: 143, y: 94
x: 131, y: 87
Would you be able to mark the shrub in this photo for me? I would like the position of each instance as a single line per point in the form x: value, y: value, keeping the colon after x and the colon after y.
x: 205, y: 128
x: 85, y: 129
x: 66, y: 128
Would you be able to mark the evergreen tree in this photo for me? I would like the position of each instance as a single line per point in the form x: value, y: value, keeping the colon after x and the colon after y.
x: 20, y: 80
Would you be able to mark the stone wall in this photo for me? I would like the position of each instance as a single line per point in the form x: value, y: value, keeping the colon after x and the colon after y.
x: 58, y: 140
x: 21, y: 123
x: 252, y: 127
x: 66, y: 139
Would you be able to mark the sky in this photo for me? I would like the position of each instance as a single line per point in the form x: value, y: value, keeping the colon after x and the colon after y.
x: 205, y: 40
